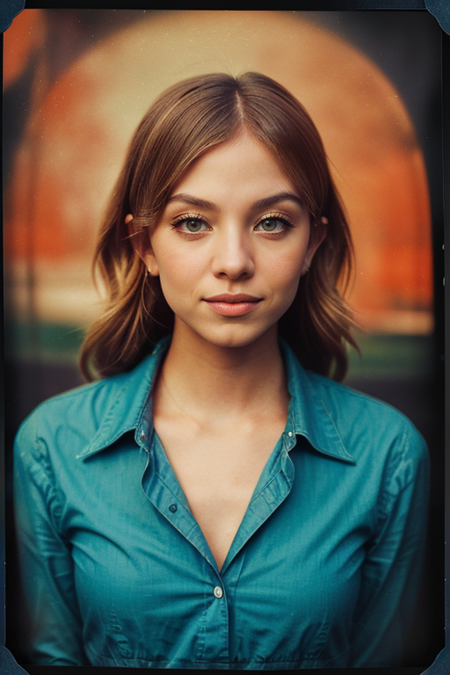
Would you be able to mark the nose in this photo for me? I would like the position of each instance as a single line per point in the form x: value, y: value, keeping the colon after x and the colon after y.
x: 233, y: 254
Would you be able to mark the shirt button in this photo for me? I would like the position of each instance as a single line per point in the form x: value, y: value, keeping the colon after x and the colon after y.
x: 173, y: 508
x: 290, y: 434
x: 142, y: 436
x: 218, y: 592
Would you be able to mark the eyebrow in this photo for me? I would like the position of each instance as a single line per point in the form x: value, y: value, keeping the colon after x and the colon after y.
x: 260, y: 204
x: 274, y: 199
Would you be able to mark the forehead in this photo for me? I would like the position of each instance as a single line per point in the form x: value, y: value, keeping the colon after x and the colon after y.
x: 240, y: 163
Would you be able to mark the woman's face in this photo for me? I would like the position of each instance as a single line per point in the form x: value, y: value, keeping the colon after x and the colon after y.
x: 231, y: 244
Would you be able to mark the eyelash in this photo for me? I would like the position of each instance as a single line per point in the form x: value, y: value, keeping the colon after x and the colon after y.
x: 178, y: 222
x: 287, y: 224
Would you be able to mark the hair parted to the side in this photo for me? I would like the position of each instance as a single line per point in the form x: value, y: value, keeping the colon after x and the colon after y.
x: 188, y: 119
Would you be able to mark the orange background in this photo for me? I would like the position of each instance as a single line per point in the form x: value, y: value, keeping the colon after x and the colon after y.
x: 79, y: 125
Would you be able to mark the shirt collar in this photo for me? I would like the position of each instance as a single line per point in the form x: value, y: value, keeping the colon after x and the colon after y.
x: 308, y: 415
x: 131, y: 393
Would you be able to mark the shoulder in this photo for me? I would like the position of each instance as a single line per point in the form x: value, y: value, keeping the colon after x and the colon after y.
x: 364, y: 422
x: 356, y: 425
x: 70, y: 420
x: 89, y: 398
x: 343, y: 399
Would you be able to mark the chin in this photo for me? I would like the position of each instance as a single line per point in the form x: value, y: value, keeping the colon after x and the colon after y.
x: 229, y: 334
x: 234, y: 339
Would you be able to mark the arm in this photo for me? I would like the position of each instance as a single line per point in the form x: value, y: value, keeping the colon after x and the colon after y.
x: 392, y: 571
x: 44, y: 556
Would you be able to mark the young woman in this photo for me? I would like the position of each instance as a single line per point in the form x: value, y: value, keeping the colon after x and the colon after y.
x: 215, y: 500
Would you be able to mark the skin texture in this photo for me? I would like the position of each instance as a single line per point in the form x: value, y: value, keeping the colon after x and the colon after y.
x: 232, y: 252
x: 221, y: 400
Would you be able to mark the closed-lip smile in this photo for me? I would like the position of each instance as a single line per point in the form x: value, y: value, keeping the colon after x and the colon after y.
x: 232, y: 304
x: 233, y: 298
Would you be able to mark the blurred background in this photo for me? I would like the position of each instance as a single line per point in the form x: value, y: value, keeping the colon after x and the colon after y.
x: 76, y: 84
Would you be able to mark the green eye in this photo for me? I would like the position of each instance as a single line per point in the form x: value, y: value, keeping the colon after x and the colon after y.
x: 272, y: 225
x: 193, y: 225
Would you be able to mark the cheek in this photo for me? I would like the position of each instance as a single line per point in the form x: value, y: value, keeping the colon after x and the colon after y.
x: 287, y: 270
x: 179, y: 276
x: 167, y: 259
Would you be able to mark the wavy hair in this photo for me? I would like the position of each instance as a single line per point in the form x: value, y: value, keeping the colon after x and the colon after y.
x: 186, y: 121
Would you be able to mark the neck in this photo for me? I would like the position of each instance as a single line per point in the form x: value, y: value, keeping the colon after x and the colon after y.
x: 204, y: 380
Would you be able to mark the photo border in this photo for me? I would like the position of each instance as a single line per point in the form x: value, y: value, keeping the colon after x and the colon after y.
x: 442, y: 662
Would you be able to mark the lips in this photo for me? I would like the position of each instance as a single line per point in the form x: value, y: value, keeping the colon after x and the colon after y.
x: 233, y: 304
x: 233, y: 298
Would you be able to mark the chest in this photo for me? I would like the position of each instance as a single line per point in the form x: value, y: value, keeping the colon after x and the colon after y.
x: 218, y: 473
x: 145, y: 571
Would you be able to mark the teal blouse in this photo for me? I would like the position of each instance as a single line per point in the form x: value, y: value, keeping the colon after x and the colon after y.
x: 323, y: 570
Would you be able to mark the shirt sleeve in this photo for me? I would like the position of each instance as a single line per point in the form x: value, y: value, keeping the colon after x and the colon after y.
x: 392, y: 571
x: 45, y: 560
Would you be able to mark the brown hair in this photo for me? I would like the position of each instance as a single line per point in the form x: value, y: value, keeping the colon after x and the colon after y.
x: 188, y: 119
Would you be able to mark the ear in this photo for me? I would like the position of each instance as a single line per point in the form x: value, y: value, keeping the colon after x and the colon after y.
x: 142, y: 246
x: 318, y: 232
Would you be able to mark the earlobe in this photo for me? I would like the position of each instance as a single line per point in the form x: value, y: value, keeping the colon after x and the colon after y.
x: 151, y: 263
x: 145, y: 252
